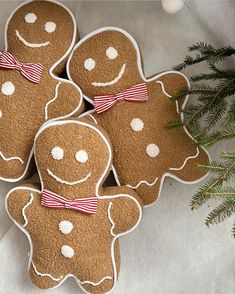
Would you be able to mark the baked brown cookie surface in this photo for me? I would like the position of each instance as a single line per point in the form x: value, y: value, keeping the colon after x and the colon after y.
x: 134, y: 111
x: 72, y: 222
x: 39, y: 37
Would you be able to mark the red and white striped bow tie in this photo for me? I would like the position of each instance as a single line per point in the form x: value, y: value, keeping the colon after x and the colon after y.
x: 31, y: 71
x: 86, y: 205
x: 137, y: 92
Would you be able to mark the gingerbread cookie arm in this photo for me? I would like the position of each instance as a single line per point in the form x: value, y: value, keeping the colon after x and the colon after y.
x: 189, y: 170
x: 124, y: 210
x: 18, y: 200
x: 66, y: 102
x: 172, y: 83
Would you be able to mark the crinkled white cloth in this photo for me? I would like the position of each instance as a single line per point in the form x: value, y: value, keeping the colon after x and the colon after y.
x: 172, y: 252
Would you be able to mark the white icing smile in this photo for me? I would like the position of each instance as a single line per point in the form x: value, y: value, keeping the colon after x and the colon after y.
x: 31, y: 45
x: 67, y: 182
x: 114, y: 81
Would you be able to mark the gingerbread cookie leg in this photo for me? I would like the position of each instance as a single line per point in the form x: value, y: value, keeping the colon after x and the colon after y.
x: 67, y: 101
x: 101, y: 277
x: 149, y: 189
x: 42, y: 280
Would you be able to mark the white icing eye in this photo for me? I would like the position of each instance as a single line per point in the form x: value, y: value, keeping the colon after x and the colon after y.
x: 65, y: 227
x: 57, y: 153
x: 30, y: 17
x: 152, y: 150
x: 0, y: 113
x: 111, y: 53
x: 137, y: 125
x: 67, y: 251
x: 8, y: 88
x: 89, y: 64
x: 50, y: 26
x: 81, y: 156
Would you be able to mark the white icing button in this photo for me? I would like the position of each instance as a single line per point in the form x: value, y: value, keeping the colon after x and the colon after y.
x: 0, y: 113
x: 111, y: 53
x: 8, y: 88
x: 30, y: 17
x: 152, y: 150
x: 137, y: 124
x: 65, y: 227
x: 81, y: 156
x: 50, y: 27
x: 67, y: 251
x: 89, y: 64
x: 57, y: 153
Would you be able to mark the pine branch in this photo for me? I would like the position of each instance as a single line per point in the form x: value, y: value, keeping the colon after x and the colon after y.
x: 206, y: 53
x: 211, y: 119
x: 219, y: 214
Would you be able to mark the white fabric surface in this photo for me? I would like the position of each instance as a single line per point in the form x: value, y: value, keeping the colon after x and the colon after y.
x: 172, y: 252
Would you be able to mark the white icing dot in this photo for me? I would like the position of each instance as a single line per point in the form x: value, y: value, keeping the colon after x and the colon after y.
x: 81, y: 156
x: 111, y: 53
x: 0, y: 113
x: 65, y: 227
x: 8, y: 88
x: 89, y: 64
x: 67, y: 251
x: 30, y: 17
x: 57, y: 153
x: 152, y: 150
x: 137, y: 124
x: 50, y: 26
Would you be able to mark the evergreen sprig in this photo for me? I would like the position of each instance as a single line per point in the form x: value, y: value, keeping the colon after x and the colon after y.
x: 211, y: 119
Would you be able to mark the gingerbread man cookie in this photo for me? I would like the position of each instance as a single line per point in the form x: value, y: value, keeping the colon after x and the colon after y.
x: 134, y: 111
x: 73, y: 223
x: 39, y: 36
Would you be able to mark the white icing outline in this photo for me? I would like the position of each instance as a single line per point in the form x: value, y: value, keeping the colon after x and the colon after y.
x: 177, y: 106
x: 11, y: 158
x: 55, y: 177
x: 25, y: 207
x: 52, y: 100
x: 168, y: 95
x: 30, y: 45
x: 114, y: 81
x: 139, y: 66
x: 111, y: 220
x: 61, y: 277
x: 69, y: 50
x: 186, y: 160
x: 143, y: 182
x: 45, y: 275
x: 98, y: 184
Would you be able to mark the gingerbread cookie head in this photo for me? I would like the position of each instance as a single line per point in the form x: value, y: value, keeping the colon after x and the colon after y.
x: 104, y: 63
x: 42, y: 29
x: 74, y: 223
x: 67, y: 161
